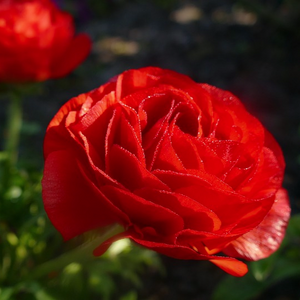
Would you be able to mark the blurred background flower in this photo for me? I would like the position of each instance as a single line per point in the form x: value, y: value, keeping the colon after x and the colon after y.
x: 38, y: 42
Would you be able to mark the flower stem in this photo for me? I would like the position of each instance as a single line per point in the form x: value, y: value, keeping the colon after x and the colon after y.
x: 13, y: 127
x: 80, y: 254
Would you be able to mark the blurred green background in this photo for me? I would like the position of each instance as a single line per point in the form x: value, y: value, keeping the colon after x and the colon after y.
x: 250, y: 47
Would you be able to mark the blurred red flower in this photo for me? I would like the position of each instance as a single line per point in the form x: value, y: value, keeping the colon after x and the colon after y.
x: 37, y: 41
x: 182, y: 166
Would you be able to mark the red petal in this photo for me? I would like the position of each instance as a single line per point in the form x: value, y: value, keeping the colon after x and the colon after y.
x: 186, y: 84
x: 231, y: 266
x: 211, y: 240
x: 228, y: 264
x: 266, y: 178
x: 72, y: 201
x: 77, y: 51
x: 184, y: 146
x: 122, y: 133
x: 195, y: 215
x: 271, y: 143
x: 95, y: 162
x: 214, y: 194
x: 229, y: 106
x: 144, y: 213
x: 94, y: 124
x: 57, y: 137
x: 129, y: 171
x: 102, y: 109
x: 212, y: 163
x: 166, y: 158
x: 133, y: 80
x: 262, y: 241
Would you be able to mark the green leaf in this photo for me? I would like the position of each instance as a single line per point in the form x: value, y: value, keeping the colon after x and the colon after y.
x: 43, y: 295
x: 132, y: 295
x: 294, y: 226
x: 285, y: 268
x: 236, y: 288
x: 6, y: 293
x: 262, y: 269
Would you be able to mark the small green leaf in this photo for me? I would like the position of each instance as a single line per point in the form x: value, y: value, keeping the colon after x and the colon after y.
x: 6, y: 293
x: 43, y: 295
x: 132, y: 295
x: 294, y: 226
x: 234, y: 288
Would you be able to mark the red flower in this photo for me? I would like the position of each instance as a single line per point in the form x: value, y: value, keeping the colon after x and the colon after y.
x: 37, y: 41
x: 182, y: 166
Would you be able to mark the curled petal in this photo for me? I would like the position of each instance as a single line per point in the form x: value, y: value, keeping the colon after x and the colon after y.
x: 74, y: 204
x: 231, y: 266
x: 265, y: 238
x: 57, y: 136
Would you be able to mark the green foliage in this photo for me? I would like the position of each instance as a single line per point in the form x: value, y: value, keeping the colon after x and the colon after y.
x: 28, y: 239
x: 263, y: 274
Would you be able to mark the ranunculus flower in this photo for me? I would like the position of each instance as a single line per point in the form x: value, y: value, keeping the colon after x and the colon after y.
x: 37, y: 41
x: 182, y: 166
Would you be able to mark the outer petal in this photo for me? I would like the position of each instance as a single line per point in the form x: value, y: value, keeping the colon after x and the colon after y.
x: 231, y: 266
x: 83, y: 112
x: 227, y: 102
x: 271, y: 143
x: 77, y: 51
x: 228, y: 264
x: 57, y: 137
x: 231, y: 208
x: 72, y: 202
x: 266, y: 238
